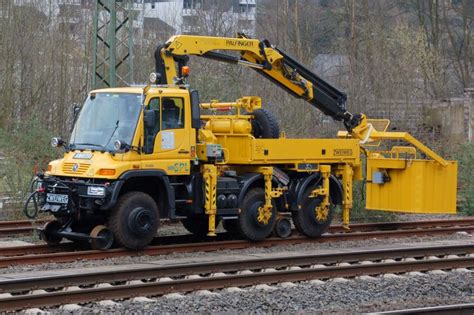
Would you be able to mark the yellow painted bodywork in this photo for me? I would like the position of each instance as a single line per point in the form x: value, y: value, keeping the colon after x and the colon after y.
x: 176, y: 161
x: 415, y: 186
x: 411, y: 184
x: 252, y: 55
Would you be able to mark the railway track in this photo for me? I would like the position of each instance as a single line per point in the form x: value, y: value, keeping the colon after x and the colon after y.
x: 8, y: 228
x: 458, y: 309
x: 155, y: 280
x: 39, y: 254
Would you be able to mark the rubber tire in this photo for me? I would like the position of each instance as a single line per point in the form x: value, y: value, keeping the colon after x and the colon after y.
x: 249, y: 227
x: 118, y: 220
x: 265, y: 125
x: 305, y: 219
x: 199, y: 226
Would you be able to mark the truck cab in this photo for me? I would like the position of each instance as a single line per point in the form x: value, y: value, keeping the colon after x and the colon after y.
x: 123, y: 140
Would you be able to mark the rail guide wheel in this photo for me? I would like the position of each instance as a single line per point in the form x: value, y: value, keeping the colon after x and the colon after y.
x: 101, y: 237
x: 49, y: 232
x: 282, y: 227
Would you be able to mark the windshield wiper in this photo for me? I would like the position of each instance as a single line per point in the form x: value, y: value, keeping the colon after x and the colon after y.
x: 116, y: 127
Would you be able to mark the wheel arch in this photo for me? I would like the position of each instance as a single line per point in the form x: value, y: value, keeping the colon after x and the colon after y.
x: 335, y: 189
x: 249, y: 180
x: 153, y: 182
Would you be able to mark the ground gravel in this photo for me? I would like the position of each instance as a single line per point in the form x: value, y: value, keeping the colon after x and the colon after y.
x: 352, y: 297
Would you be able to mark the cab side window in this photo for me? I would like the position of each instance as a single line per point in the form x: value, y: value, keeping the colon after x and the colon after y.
x: 168, y: 113
x: 172, y: 110
x: 151, y: 132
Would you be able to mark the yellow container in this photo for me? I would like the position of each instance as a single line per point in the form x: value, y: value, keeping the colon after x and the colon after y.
x: 231, y: 125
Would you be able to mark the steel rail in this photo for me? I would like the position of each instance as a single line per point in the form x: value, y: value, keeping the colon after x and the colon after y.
x: 459, y: 309
x: 26, y: 226
x: 62, y: 257
x: 18, y: 227
x: 147, y: 272
x: 87, y: 295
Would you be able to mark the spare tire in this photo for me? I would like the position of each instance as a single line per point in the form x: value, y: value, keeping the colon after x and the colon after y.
x: 265, y: 125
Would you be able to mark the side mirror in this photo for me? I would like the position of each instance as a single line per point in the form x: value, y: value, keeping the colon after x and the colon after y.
x: 76, y: 109
x: 57, y: 142
x: 195, y: 110
x: 149, y: 118
x: 120, y: 145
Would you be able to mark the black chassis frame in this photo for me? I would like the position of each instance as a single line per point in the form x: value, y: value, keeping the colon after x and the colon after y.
x: 78, y: 199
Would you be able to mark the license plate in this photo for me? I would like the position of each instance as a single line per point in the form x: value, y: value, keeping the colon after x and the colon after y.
x: 57, y: 198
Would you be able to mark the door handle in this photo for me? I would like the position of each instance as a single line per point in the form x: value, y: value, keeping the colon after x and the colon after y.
x: 182, y: 151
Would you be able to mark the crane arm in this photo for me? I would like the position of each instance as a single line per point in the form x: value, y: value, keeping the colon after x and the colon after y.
x: 269, y: 61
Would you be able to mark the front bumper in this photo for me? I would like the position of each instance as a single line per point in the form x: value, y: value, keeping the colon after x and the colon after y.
x: 65, y: 196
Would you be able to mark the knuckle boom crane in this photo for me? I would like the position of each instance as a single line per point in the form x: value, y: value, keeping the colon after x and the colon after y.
x: 269, y: 61
x: 139, y: 154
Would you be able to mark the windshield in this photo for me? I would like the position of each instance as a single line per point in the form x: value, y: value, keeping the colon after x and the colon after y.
x: 104, y: 118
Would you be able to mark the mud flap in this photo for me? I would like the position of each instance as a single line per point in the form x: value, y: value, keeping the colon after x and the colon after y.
x: 411, y: 185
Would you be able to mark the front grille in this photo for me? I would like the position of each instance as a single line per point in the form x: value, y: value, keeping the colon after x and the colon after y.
x: 75, y: 168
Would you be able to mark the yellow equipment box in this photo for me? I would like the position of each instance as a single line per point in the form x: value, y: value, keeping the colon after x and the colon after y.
x: 415, y: 186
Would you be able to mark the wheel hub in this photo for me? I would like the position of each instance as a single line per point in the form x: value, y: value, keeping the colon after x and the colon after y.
x: 321, y: 213
x: 264, y: 215
x: 140, y: 221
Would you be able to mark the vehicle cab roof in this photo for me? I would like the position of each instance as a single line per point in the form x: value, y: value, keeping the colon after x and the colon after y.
x: 154, y: 89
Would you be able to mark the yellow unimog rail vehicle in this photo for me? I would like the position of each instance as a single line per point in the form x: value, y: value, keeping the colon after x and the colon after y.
x: 140, y: 154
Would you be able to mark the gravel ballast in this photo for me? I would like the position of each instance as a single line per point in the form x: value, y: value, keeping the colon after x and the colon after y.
x: 309, y: 247
x: 354, y: 296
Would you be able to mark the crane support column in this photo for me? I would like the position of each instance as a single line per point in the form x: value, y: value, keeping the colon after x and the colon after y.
x: 347, y: 177
x: 210, y: 182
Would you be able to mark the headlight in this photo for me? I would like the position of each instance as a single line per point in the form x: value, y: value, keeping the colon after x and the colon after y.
x: 96, y: 191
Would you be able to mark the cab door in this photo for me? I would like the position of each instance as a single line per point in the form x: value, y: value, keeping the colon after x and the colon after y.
x: 167, y: 136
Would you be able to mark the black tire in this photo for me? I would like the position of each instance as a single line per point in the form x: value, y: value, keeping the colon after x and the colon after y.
x: 199, y: 226
x: 249, y: 226
x: 305, y: 218
x: 134, y: 220
x: 265, y: 125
